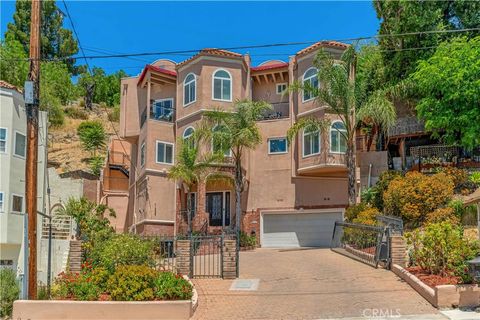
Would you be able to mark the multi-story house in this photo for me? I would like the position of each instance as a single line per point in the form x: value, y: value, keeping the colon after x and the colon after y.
x: 293, y: 193
x: 13, y: 139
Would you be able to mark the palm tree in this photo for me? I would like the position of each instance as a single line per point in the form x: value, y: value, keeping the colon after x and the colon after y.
x: 339, y: 93
x: 235, y: 133
x: 190, y: 166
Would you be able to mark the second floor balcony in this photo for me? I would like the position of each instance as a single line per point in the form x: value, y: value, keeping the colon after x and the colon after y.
x: 162, y: 110
x: 280, y: 110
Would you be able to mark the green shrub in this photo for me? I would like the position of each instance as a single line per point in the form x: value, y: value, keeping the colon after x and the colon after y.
x: 247, y: 240
x: 382, y: 185
x: 369, y: 195
x: 122, y: 249
x: 62, y: 287
x: 56, y: 116
x: 96, y: 165
x: 367, y: 216
x: 475, y: 178
x: 99, y: 276
x: 353, y: 211
x: 114, y: 115
x: 169, y: 286
x: 132, y: 283
x: 85, y: 290
x: 92, y: 135
x: 440, y: 249
x: 76, y: 113
x: 9, y: 291
x: 414, y: 196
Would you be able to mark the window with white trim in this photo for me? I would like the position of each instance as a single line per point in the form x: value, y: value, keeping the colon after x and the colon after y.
x: 338, y: 141
x: 2, y: 201
x: 311, y: 142
x: 164, y: 152
x: 189, y: 89
x: 277, y: 145
x: 3, y: 140
x: 188, y: 136
x: 20, y: 144
x: 142, y: 155
x: 281, y: 88
x: 17, y: 203
x: 222, y: 86
x: 310, y: 80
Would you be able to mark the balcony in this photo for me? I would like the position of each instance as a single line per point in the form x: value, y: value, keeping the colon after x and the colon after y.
x: 407, y: 126
x: 323, y: 164
x: 162, y: 110
x: 280, y: 111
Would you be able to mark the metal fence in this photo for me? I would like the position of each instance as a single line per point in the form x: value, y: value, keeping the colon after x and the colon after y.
x: 206, y: 253
x: 366, y: 243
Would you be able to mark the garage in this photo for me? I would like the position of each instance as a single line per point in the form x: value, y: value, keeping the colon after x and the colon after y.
x: 294, y: 230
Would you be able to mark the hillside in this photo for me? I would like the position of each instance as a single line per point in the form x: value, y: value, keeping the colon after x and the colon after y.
x: 65, y: 151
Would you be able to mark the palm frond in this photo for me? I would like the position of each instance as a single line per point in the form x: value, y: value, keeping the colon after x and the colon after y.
x: 309, y: 124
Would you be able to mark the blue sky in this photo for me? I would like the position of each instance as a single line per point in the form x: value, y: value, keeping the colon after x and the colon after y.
x: 126, y: 27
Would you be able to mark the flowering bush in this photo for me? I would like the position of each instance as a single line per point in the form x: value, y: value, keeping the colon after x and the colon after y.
x: 169, y: 286
x: 458, y: 176
x: 412, y: 197
x: 122, y: 249
x: 353, y: 210
x: 440, y: 249
x: 132, y: 283
x: 367, y: 216
x: 443, y: 214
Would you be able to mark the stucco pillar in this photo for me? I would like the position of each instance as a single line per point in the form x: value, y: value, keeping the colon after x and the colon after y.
x: 398, y: 252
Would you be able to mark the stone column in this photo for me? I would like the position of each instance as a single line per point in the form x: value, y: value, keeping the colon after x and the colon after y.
x: 201, y: 215
x: 229, y: 262
x: 398, y: 252
x: 183, y: 257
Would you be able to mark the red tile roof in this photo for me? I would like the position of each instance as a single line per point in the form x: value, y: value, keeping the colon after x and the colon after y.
x: 6, y: 85
x: 270, y: 66
x: 331, y: 44
x: 155, y: 69
x: 211, y: 51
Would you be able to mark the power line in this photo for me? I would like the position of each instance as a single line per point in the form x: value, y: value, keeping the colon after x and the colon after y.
x: 285, y: 44
x: 90, y: 71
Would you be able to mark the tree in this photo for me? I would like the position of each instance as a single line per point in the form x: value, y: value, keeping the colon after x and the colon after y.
x: 238, y: 132
x: 449, y: 87
x: 190, y: 166
x: 13, y: 63
x: 340, y: 93
x: 92, y: 135
x: 56, y: 41
x: 107, y: 87
x: 56, y: 85
x: 406, y: 16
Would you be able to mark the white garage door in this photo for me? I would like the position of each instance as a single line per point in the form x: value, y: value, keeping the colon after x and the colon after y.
x: 299, y: 229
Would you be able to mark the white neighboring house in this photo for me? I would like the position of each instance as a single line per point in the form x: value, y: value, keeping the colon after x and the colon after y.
x: 12, y: 175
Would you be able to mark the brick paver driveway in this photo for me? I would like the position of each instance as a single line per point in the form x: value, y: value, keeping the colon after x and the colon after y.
x: 309, y: 284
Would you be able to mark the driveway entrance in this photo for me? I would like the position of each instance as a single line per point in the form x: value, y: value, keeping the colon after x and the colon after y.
x: 309, y: 284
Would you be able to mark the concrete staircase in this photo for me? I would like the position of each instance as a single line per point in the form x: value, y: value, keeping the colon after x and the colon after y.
x: 75, y: 256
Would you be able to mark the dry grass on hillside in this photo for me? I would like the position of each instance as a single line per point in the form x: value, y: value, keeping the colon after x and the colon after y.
x: 65, y: 151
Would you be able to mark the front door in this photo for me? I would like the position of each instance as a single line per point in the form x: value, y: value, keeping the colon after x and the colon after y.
x: 218, y: 208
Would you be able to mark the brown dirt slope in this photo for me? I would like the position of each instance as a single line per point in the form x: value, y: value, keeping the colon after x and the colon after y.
x: 65, y: 151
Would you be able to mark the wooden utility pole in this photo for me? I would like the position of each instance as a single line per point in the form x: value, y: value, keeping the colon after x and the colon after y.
x: 32, y: 149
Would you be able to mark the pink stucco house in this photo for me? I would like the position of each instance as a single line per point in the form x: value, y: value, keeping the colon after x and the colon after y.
x: 294, y: 192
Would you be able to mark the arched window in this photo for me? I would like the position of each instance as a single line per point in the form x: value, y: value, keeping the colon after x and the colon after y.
x: 219, y: 141
x: 311, y: 142
x: 310, y: 80
x: 189, y: 89
x: 188, y: 136
x: 222, y: 85
x: 338, y: 140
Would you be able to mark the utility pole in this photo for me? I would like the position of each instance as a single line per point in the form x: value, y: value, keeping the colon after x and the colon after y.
x: 32, y: 148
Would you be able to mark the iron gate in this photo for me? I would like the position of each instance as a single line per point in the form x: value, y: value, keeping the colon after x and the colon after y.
x: 206, y: 254
x: 366, y: 243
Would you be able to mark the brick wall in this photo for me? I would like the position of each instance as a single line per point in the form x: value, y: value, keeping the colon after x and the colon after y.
x: 251, y: 223
x: 398, y: 252
x: 229, y: 259
x: 155, y: 229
